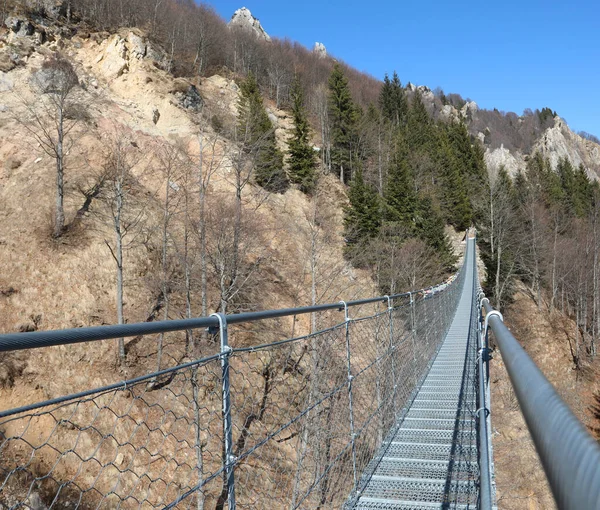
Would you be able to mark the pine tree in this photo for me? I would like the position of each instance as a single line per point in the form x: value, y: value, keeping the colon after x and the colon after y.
x: 392, y: 101
x: 257, y: 135
x: 302, y: 156
x: 399, y: 195
x: 453, y: 190
x: 429, y: 227
x: 362, y: 217
x: 343, y: 115
x: 420, y: 133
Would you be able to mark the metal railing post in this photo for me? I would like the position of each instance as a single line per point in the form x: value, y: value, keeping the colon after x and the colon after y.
x: 413, y: 335
x: 228, y: 457
x: 482, y: 414
x: 392, y: 352
x: 350, y: 403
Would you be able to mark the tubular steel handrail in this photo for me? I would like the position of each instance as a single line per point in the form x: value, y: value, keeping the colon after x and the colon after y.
x: 37, y: 339
x: 569, y: 454
x: 220, y: 429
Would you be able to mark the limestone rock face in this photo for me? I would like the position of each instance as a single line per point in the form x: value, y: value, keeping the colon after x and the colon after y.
x: 501, y: 157
x: 560, y: 142
x: 244, y: 18
x: 469, y: 108
x: 449, y: 113
x: 114, y: 60
x: 426, y: 93
x: 122, y: 51
x: 320, y: 50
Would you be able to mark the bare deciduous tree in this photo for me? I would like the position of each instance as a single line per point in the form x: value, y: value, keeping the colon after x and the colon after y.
x: 124, y: 214
x: 50, y: 119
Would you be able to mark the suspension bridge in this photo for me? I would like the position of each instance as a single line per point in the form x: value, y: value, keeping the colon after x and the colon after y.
x: 385, y: 406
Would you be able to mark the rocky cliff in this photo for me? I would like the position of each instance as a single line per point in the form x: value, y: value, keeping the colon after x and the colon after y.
x: 553, y: 142
x: 243, y: 18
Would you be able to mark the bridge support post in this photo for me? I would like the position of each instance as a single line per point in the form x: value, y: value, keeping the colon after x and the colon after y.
x: 413, y: 336
x: 350, y: 402
x: 392, y: 354
x: 228, y: 457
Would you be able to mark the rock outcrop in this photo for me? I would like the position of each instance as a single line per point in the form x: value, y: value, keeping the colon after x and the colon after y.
x: 243, y: 18
x: 320, y: 50
x: 560, y: 142
x: 555, y: 143
x: 502, y: 157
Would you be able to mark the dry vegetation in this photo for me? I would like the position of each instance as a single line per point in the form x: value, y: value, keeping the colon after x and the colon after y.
x: 521, y: 482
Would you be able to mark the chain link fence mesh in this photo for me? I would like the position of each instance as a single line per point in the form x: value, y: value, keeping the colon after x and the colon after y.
x: 306, y: 417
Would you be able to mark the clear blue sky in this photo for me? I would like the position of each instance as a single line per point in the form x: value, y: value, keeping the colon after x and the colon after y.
x: 510, y: 55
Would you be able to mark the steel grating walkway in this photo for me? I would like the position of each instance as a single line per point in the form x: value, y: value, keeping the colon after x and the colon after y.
x: 431, y: 458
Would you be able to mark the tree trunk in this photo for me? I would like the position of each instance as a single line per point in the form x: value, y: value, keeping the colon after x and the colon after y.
x: 59, y: 222
x: 164, y: 268
x: 119, y: 261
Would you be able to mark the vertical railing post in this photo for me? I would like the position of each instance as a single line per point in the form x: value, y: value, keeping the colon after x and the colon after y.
x: 413, y: 335
x: 350, y: 403
x: 483, y: 414
x: 228, y: 457
x: 392, y: 353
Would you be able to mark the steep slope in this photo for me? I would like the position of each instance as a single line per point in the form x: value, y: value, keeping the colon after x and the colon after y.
x: 46, y: 284
x: 521, y: 481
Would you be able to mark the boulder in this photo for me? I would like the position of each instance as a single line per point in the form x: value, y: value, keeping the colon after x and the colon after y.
x: 6, y: 82
x: 136, y: 45
x: 6, y: 63
x: 114, y: 62
x: 20, y: 27
x: 191, y: 99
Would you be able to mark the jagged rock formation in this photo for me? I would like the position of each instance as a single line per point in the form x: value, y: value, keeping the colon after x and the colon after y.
x: 502, y: 157
x: 320, y: 50
x: 559, y: 142
x: 554, y: 143
x: 244, y: 18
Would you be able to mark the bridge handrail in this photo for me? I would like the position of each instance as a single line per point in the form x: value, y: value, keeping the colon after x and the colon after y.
x: 569, y: 454
x: 37, y: 339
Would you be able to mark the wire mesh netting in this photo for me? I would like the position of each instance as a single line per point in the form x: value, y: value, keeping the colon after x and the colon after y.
x: 289, y: 424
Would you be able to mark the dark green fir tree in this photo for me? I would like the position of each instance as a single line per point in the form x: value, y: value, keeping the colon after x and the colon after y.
x: 302, y: 156
x: 362, y: 217
x: 343, y: 115
x: 257, y: 135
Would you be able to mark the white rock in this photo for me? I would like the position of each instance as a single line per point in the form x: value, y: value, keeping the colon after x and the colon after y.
x: 273, y: 118
x: 136, y: 45
x: 470, y: 107
x: 114, y: 62
x: 448, y: 112
x: 243, y: 18
x: 502, y: 157
x: 6, y: 82
x: 320, y: 50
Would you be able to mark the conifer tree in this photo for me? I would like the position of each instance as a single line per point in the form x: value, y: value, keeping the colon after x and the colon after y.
x: 454, y: 196
x: 392, y: 100
x: 430, y: 228
x: 419, y: 126
x: 400, y: 197
x: 257, y: 135
x: 302, y: 157
x: 362, y: 217
x: 343, y: 115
